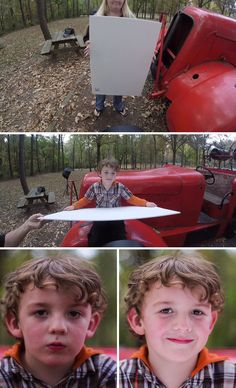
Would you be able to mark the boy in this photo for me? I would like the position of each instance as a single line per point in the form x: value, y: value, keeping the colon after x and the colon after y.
x: 173, y: 304
x: 52, y: 305
x: 108, y: 193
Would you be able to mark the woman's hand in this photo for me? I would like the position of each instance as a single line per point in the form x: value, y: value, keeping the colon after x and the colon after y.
x: 87, y: 49
x: 151, y: 204
x: 70, y: 208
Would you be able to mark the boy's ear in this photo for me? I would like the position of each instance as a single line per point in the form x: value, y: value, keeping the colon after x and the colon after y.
x: 135, y: 321
x: 13, y: 326
x: 214, y: 317
x: 93, y: 325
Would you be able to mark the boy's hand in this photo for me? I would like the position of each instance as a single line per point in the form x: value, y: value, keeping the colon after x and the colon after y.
x: 87, y: 49
x: 151, y: 204
x: 69, y: 208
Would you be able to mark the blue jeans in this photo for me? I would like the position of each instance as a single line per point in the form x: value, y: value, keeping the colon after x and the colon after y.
x: 117, y: 102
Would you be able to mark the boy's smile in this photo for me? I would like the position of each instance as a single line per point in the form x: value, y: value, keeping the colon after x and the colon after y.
x: 176, y: 323
x: 53, y: 327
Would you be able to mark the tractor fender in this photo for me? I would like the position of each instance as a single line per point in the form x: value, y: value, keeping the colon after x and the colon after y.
x: 135, y: 230
x: 203, y: 99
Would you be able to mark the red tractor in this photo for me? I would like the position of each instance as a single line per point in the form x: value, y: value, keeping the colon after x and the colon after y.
x: 195, y: 70
x: 205, y: 198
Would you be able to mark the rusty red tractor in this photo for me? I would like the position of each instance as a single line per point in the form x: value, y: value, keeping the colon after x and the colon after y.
x: 195, y: 69
x: 205, y: 199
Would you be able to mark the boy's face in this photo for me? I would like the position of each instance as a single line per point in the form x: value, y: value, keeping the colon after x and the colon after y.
x: 108, y: 175
x: 175, y: 323
x: 53, y: 326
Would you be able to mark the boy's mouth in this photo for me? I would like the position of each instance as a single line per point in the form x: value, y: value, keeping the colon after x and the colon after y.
x: 56, y: 346
x: 180, y: 340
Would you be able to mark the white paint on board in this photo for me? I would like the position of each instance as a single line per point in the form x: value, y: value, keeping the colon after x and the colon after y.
x: 121, y: 51
x: 110, y: 214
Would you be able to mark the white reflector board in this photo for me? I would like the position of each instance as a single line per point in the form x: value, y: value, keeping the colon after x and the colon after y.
x: 121, y: 51
x: 110, y: 214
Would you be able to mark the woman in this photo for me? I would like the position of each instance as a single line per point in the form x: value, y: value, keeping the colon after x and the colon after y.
x: 118, y: 8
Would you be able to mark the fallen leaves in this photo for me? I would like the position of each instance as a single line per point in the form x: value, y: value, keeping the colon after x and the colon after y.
x: 54, y: 93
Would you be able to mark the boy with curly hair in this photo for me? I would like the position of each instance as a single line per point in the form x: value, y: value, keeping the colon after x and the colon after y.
x: 52, y: 305
x: 173, y: 304
x: 108, y: 193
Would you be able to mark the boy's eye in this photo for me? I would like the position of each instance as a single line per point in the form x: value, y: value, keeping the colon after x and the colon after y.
x: 41, y: 313
x: 167, y: 310
x: 74, y: 314
x: 198, y: 312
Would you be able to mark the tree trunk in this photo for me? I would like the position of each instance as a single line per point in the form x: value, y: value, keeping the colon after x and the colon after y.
x: 53, y: 152
x: 58, y: 153
x: 42, y: 19
x: 22, y: 165
x: 22, y: 13
x: 62, y: 153
x: 32, y: 156
x: 51, y: 10
x: 37, y: 153
x: 73, y: 154
x: 29, y: 11
x: 9, y: 156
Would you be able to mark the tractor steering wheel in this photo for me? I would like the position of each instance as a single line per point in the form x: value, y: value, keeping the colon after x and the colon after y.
x: 207, y: 173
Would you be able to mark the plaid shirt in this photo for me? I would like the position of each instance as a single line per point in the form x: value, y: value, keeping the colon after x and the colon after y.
x: 108, y: 198
x: 134, y: 373
x: 98, y: 370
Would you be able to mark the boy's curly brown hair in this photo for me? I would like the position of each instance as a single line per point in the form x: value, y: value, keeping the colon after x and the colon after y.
x: 108, y: 162
x: 190, y: 272
x: 65, y: 273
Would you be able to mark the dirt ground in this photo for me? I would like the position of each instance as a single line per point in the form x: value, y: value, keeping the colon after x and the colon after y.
x: 52, y: 233
x: 53, y: 93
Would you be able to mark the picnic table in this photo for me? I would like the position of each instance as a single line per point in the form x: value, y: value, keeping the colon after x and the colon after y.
x: 74, y: 41
x: 36, y: 194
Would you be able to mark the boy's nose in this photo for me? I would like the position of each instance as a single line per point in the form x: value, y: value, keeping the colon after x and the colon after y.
x: 57, y: 326
x: 183, y: 323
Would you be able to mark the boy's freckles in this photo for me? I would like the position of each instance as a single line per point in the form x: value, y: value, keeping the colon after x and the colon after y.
x: 53, y: 327
x: 176, y: 323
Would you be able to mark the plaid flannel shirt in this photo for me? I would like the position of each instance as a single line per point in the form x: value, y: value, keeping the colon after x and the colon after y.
x: 134, y: 373
x: 98, y: 370
x: 108, y: 198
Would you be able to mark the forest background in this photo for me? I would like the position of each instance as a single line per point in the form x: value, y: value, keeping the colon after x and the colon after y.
x: 37, y: 154
x: 16, y: 14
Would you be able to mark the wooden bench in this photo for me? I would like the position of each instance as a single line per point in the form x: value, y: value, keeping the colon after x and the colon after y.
x: 22, y: 202
x: 35, y: 194
x: 74, y: 41
x: 47, y: 47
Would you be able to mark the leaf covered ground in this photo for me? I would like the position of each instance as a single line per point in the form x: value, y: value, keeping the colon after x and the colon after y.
x: 53, y: 93
x: 52, y: 233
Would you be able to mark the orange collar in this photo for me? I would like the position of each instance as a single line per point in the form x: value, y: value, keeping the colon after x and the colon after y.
x: 205, y: 358
x: 113, y: 183
x: 83, y: 355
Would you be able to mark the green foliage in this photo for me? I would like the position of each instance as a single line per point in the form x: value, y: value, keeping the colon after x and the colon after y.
x: 12, y: 16
x: 50, y: 153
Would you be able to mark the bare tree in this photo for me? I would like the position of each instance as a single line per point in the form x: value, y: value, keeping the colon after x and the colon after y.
x: 9, y: 155
x: 22, y: 164
x: 41, y: 8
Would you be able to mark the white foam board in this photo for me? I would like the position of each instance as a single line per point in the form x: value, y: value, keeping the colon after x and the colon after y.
x: 121, y: 51
x: 110, y: 214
